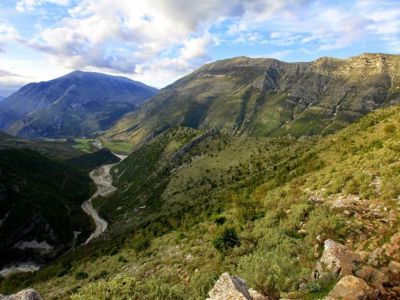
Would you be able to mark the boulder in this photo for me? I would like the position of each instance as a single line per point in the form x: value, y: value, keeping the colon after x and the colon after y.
x: 351, y: 288
x: 233, y: 288
x: 373, y: 277
x: 394, y: 273
x: 336, y: 260
x: 28, y: 294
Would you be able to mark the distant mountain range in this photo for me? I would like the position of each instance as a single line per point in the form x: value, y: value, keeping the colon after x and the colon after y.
x: 267, y: 97
x: 2, y: 98
x: 77, y: 104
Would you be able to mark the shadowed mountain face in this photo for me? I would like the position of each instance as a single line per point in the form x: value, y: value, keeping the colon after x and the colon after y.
x: 77, y: 104
x: 267, y: 97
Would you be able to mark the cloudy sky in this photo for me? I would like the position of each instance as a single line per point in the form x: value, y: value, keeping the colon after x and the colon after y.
x: 158, y: 41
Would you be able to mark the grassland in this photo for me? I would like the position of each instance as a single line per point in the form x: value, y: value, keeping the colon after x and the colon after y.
x: 86, y: 145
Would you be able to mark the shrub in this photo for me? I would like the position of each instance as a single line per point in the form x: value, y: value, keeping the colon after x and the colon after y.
x: 140, y: 242
x: 62, y: 272
x: 220, y: 220
x: 122, y: 259
x: 228, y: 239
x: 389, y: 128
x: 81, y: 275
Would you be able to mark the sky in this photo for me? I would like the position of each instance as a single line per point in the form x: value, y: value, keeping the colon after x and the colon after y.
x: 159, y: 41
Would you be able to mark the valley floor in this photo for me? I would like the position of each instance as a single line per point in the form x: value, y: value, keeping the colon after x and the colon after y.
x: 103, y: 180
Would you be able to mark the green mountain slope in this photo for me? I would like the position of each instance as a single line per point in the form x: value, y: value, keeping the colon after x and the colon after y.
x: 41, y: 200
x: 42, y: 187
x: 193, y: 204
x: 266, y: 97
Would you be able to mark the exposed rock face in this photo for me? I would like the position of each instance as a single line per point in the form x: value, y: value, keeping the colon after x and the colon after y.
x: 336, y: 260
x: 374, y: 277
x: 351, y: 288
x: 233, y: 288
x: 28, y: 294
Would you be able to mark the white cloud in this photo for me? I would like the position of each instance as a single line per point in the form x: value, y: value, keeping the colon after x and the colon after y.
x: 30, y: 5
x: 167, y: 38
x: 7, y: 33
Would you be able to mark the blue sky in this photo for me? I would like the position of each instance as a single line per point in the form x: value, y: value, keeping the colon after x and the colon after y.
x: 158, y: 41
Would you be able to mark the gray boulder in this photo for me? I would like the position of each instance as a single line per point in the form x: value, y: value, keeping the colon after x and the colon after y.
x: 28, y: 294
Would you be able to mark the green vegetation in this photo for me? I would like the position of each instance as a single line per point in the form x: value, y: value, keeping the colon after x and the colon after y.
x: 86, y: 145
x: 90, y: 161
x: 259, y: 208
x: 267, y: 97
x: 44, y: 192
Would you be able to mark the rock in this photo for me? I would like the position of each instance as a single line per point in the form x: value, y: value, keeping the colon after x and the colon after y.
x: 28, y: 294
x: 350, y: 288
x: 392, y: 249
x: 373, y: 277
x: 256, y: 295
x: 302, y: 232
x: 336, y: 260
x: 394, y: 267
x: 232, y: 288
x: 394, y: 273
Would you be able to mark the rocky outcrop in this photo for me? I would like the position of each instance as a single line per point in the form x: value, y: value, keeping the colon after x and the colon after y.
x: 233, y: 288
x: 185, y: 149
x: 351, y: 288
x: 359, y: 279
x: 28, y: 294
x: 336, y: 260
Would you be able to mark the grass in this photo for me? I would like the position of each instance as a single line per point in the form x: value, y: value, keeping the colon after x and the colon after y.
x: 86, y: 145
x: 168, y: 213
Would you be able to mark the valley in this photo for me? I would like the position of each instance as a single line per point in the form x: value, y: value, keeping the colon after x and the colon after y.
x: 103, y: 181
x: 254, y: 168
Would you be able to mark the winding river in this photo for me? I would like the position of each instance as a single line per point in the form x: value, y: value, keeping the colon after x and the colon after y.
x: 103, y: 180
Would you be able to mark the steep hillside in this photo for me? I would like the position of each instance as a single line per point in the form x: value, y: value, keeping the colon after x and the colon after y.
x: 194, y: 204
x: 77, y: 104
x: 42, y: 187
x: 40, y: 209
x: 267, y: 97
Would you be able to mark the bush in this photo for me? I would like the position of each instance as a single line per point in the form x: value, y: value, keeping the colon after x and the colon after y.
x: 220, y: 220
x: 101, y: 275
x: 228, y: 239
x: 389, y: 128
x: 62, y: 272
x: 140, y: 242
x: 122, y: 259
x: 81, y: 275
x: 259, y: 273
x: 126, y: 287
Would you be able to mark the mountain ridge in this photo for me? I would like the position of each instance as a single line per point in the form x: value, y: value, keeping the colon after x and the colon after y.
x: 268, y: 97
x: 76, y: 104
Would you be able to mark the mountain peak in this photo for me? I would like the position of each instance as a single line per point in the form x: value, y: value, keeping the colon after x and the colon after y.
x: 76, y: 104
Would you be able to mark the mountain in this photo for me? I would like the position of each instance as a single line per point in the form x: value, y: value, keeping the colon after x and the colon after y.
x: 2, y: 98
x: 267, y: 97
x: 77, y: 104
x: 192, y: 204
x: 292, y: 211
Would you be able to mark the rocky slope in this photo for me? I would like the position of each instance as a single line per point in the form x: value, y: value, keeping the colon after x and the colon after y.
x: 267, y: 97
x: 77, y: 104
